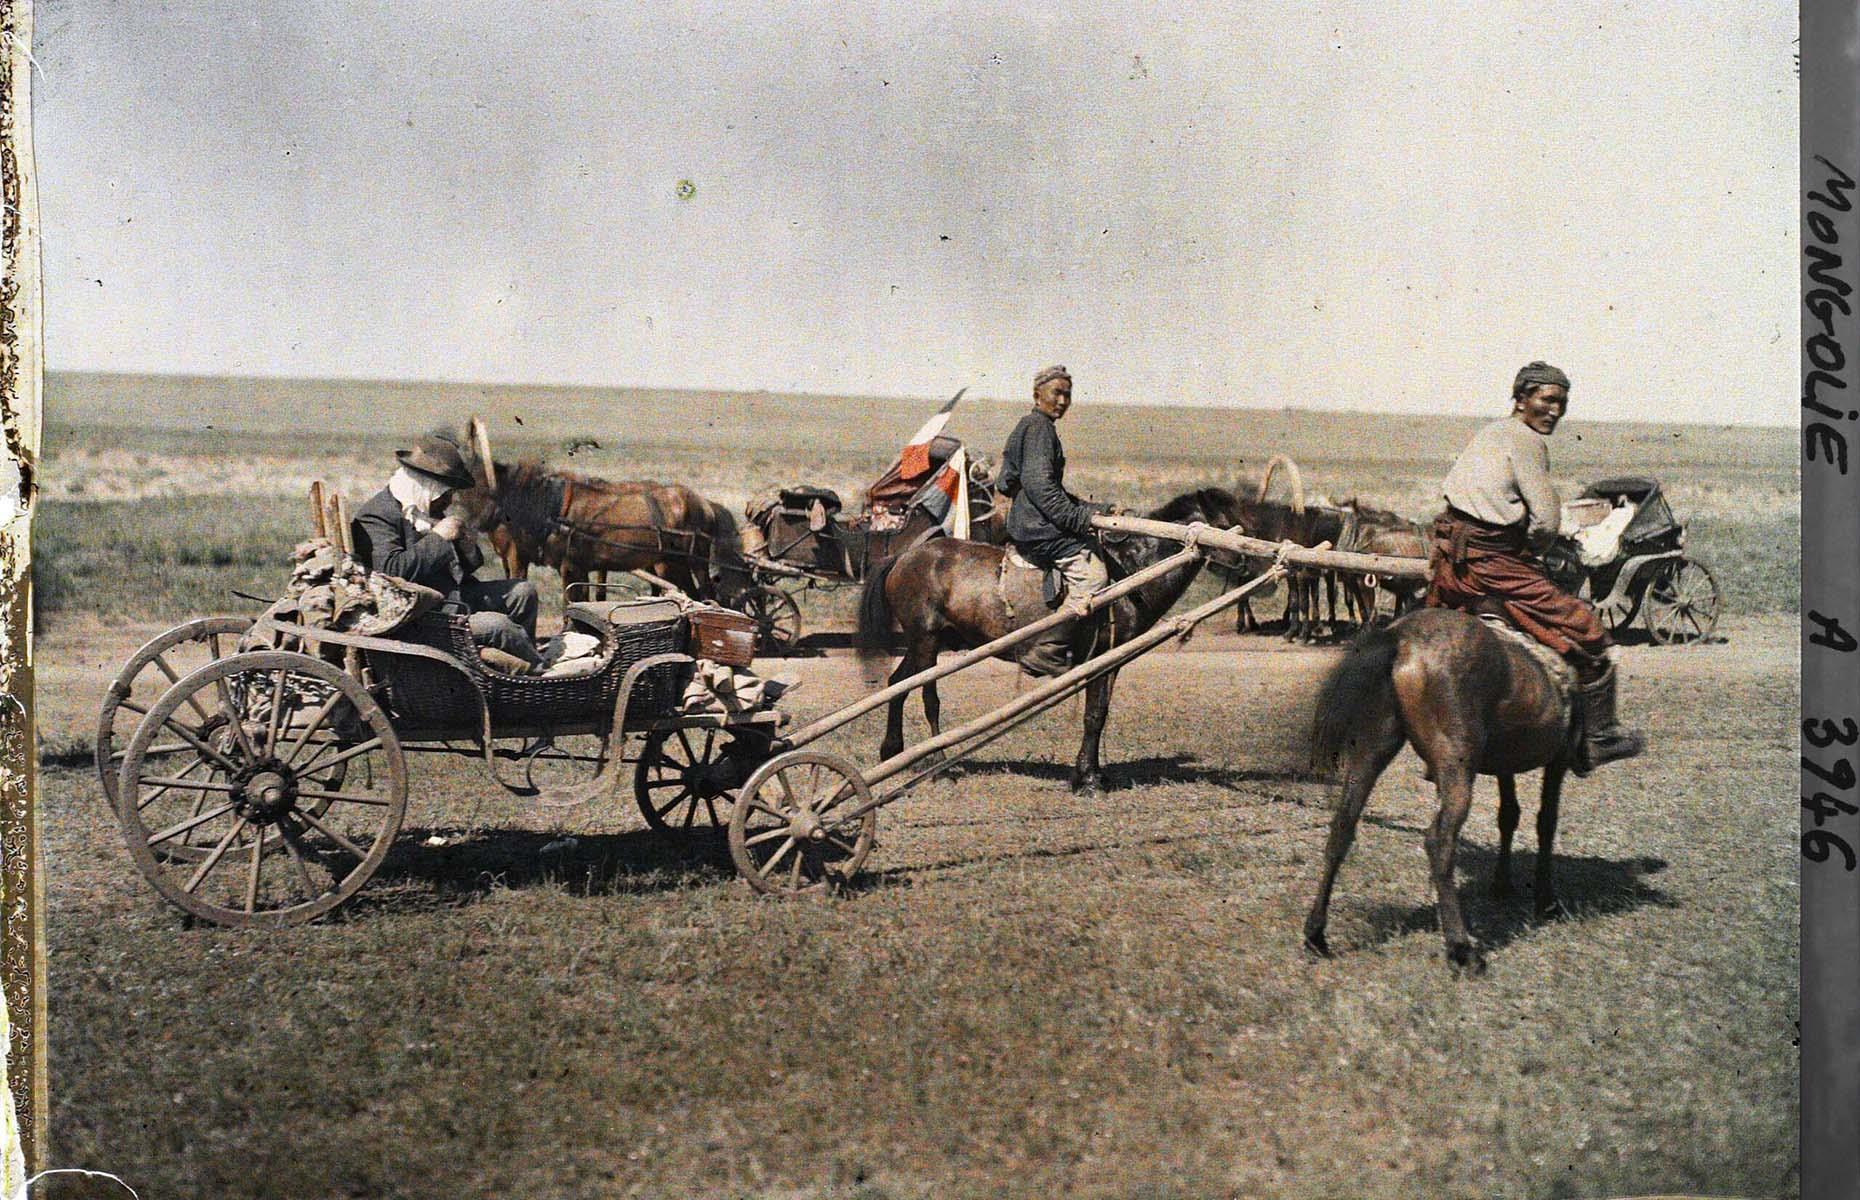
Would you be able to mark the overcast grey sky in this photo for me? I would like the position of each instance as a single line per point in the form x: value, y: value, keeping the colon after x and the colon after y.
x: 1315, y: 205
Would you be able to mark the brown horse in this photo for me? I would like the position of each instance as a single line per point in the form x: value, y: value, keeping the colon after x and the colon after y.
x: 1378, y: 531
x: 1471, y: 702
x: 948, y: 595
x: 579, y: 524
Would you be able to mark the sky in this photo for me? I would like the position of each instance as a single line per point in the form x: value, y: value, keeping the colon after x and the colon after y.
x: 1322, y: 205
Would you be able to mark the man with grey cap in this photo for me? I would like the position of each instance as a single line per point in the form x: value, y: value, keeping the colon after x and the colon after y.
x: 1049, y: 525
x: 1502, y: 511
x: 404, y: 530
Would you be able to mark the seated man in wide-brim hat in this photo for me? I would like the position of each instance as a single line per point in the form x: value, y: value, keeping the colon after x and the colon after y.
x: 405, y: 530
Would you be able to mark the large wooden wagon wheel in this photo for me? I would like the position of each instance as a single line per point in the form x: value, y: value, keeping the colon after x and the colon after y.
x: 149, y: 672
x: 792, y: 831
x: 278, y: 845
x: 1682, y: 601
x: 777, y: 617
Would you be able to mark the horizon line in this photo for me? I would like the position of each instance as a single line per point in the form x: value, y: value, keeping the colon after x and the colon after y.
x: 799, y: 395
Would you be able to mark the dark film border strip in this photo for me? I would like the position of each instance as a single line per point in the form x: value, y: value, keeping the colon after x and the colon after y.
x: 22, y: 946
x: 1830, y: 998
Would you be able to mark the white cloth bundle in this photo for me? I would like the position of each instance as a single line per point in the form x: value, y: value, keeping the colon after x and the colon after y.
x: 1600, y: 543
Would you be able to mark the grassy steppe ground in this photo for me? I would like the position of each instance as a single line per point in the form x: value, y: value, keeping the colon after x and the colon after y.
x: 1033, y: 994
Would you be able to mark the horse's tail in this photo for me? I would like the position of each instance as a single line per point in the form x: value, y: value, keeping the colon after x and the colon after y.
x: 727, y: 565
x: 1356, y: 693
x: 875, y: 612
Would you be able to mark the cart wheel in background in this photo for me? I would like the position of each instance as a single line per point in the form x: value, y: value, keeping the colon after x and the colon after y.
x: 1682, y: 602
x: 149, y: 672
x: 792, y: 831
x: 684, y: 779
x: 778, y: 619
x: 274, y: 845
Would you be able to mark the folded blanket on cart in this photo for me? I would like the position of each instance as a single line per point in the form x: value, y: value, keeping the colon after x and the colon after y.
x: 330, y: 590
x: 716, y: 688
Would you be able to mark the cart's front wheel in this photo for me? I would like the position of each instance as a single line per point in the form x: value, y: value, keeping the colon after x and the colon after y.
x: 684, y: 779
x: 272, y: 842
x: 797, y: 828
x: 1682, y: 602
x: 777, y: 617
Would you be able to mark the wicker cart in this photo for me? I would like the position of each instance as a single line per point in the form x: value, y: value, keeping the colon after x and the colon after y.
x: 258, y: 769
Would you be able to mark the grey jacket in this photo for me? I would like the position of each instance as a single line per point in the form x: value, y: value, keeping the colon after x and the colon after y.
x: 386, y: 541
x: 1046, y: 523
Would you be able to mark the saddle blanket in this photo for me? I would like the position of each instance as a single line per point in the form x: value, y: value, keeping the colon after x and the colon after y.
x: 1052, y: 583
x: 1561, y: 673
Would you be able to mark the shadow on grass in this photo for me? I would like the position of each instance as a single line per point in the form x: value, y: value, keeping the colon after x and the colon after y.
x: 471, y: 866
x: 1586, y: 886
x: 1137, y: 772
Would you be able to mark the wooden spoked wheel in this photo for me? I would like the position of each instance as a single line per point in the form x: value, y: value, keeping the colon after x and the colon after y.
x: 777, y: 617
x: 792, y: 830
x: 273, y: 844
x: 152, y: 670
x: 1682, y: 602
x: 685, y: 777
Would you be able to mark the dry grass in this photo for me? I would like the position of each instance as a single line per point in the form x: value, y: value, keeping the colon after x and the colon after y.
x: 1030, y: 994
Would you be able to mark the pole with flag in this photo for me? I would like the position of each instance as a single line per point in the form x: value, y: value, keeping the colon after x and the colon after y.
x: 915, y: 460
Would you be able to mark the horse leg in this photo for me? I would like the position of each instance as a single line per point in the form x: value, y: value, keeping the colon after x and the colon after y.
x: 1443, y: 837
x: 919, y: 655
x: 1507, y: 825
x: 1548, y: 907
x: 1087, y: 774
x: 1369, y: 756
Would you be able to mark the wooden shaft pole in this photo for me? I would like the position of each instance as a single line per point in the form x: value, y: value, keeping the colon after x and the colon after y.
x: 1386, y: 565
x: 1100, y: 598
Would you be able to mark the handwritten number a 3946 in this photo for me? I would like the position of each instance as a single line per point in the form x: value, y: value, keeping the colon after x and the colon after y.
x: 1818, y: 844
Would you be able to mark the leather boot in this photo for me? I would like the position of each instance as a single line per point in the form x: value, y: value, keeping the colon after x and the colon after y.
x: 1050, y: 654
x: 1603, y: 740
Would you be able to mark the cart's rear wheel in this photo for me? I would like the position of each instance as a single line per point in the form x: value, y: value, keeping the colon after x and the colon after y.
x: 1682, y: 602
x: 792, y: 830
x: 685, y: 777
x: 777, y: 617
x: 274, y: 844
x: 149, y: 672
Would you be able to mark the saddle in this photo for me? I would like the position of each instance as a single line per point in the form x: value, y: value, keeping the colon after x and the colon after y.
x: 1561, y: 673
x: 1020, y: 581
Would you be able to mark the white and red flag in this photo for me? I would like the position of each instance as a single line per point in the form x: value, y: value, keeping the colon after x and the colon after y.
x: 946, y: 496
x: 915, y: 459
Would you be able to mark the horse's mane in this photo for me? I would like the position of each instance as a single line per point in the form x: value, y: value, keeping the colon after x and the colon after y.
x: 1204, y: 502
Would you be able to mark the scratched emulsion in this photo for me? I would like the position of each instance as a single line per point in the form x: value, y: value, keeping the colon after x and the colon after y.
x: 22, y: 977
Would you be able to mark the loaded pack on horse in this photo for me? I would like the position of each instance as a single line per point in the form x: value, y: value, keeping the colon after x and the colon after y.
x: 579, y: 524
x: 954, y: 595
x: 1503, y: 673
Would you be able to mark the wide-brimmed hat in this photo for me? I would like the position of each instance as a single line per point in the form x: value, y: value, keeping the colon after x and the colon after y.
x: 437, y: 457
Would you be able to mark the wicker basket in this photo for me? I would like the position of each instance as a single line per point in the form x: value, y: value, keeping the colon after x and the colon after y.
x: 426, y: 693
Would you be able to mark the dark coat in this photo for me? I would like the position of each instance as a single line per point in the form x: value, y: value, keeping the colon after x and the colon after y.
x: 1046, y: 523
x: 386, y: 541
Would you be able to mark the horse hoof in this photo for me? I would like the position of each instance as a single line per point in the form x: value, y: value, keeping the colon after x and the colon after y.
x: 1316, y: 946
x: 1552, y: 910
x: 888, y: 751
x: 1089, y: 786
x: 1466, y: 959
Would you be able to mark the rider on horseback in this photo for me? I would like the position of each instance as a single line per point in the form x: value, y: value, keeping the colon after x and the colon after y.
x: 1048, y: 525
x: 404, y: 530
x: 1502, y: 510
